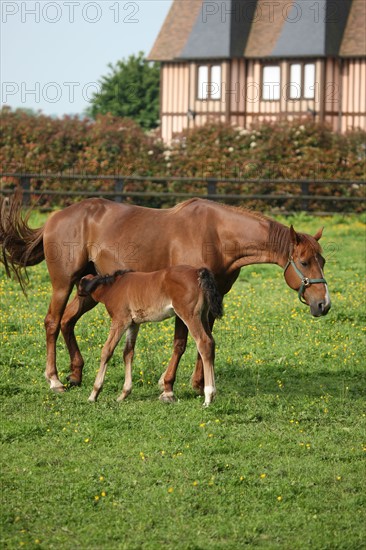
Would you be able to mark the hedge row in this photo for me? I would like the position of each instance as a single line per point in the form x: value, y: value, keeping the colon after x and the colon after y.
x: 110, y: 145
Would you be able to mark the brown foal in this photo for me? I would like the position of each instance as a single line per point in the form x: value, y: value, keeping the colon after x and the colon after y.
x: 134, y: 298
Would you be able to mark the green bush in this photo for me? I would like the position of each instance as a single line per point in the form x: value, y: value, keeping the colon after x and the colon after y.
x: 131, y: 89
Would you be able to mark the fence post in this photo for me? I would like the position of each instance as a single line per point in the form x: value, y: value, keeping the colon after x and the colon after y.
x: 118, y: 189
x: 304, y: 192
x: 24, y: 182
x: 211, y: 186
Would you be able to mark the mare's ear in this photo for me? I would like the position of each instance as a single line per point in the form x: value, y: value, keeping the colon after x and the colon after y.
x: 294, y: 236
x: 318, y: 234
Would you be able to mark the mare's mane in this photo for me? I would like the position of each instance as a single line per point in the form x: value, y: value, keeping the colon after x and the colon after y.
x: 240, y: 209
x: 246, y: 211
x: 279, y: 238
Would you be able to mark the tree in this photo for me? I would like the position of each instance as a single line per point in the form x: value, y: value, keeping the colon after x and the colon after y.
x: 130, y: 90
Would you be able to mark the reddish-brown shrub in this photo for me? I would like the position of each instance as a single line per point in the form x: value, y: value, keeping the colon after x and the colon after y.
x: 288, y: 151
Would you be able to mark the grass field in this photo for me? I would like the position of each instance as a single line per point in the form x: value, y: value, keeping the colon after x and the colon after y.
x: 277, y: 461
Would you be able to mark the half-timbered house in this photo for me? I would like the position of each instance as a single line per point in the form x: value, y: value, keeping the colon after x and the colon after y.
x: 244, y: 61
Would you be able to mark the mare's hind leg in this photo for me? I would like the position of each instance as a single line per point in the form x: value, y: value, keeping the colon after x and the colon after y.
x: 197, y: 378
x: 114, y: 337
x: 128, y: 354
x: 52, y: 325
x: 74, y: 310
x: 167, y: 379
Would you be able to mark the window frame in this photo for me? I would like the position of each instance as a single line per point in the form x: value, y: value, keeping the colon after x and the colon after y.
x: 209, y: 67
x: 264, y: 66
x: 302, y: 97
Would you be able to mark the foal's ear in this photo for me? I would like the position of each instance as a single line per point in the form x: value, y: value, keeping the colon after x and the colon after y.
x: 318, y: 234
x: 81, y: 289
x: 84, y: 285
x: 295, y: 239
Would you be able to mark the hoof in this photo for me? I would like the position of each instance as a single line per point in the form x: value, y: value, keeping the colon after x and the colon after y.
x: 167, y: 397
x: 123, y: 396
x: 73, y: 382
x: 58, y: 389
x: 55, y: 385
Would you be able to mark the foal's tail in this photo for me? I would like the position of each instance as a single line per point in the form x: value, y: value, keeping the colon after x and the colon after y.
x: 21, y: 246
x: 212, y: 295
x: 89, y: 283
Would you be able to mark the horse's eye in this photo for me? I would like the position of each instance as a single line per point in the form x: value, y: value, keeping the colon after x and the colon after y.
x: 304, y: 264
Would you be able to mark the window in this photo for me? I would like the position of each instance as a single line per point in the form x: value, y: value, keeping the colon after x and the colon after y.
x: 295, y: 81
x: 309, y: 81
x: 209, y: 82
x: 202, y: 92
x: 302, y: 81
x: 215, y: 82
x: 271, y: 83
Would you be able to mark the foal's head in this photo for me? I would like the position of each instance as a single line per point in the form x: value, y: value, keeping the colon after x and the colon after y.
x: 304, y: 272
x: 90, y: 283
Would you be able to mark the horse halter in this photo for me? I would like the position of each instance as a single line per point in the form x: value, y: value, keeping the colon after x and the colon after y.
x: 305, y: 281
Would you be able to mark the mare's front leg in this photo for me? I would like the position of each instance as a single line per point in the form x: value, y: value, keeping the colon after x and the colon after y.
x: 128, y: 354
x: 197, y: 378
x: 52, y: 324
x: 74, y: 310
x: 167, y: 379
x: 115, y: 334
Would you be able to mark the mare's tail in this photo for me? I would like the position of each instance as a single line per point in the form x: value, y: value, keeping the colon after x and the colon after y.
x: 21, y: 246
x: 213, y: 297
x: 89, y: 283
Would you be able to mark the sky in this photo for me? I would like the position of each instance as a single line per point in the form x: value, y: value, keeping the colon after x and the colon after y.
x: 53, y: 53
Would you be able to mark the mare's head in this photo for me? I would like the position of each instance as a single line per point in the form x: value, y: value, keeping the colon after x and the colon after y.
x: 304, y: 272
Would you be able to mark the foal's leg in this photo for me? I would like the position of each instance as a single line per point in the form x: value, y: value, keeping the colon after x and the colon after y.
x: 128, y: 354
x: 197, y: 378
x: 115, y: 334
x: 167, y: 379
x: 74, y: 310
x: 52, y: 325
x: 201, y: 334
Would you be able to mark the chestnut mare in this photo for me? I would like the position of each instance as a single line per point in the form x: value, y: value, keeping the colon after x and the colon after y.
x: 100, y: 236
x: 133, y: 298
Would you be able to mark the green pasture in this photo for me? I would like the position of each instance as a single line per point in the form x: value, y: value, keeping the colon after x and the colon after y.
x: 277, y: 461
